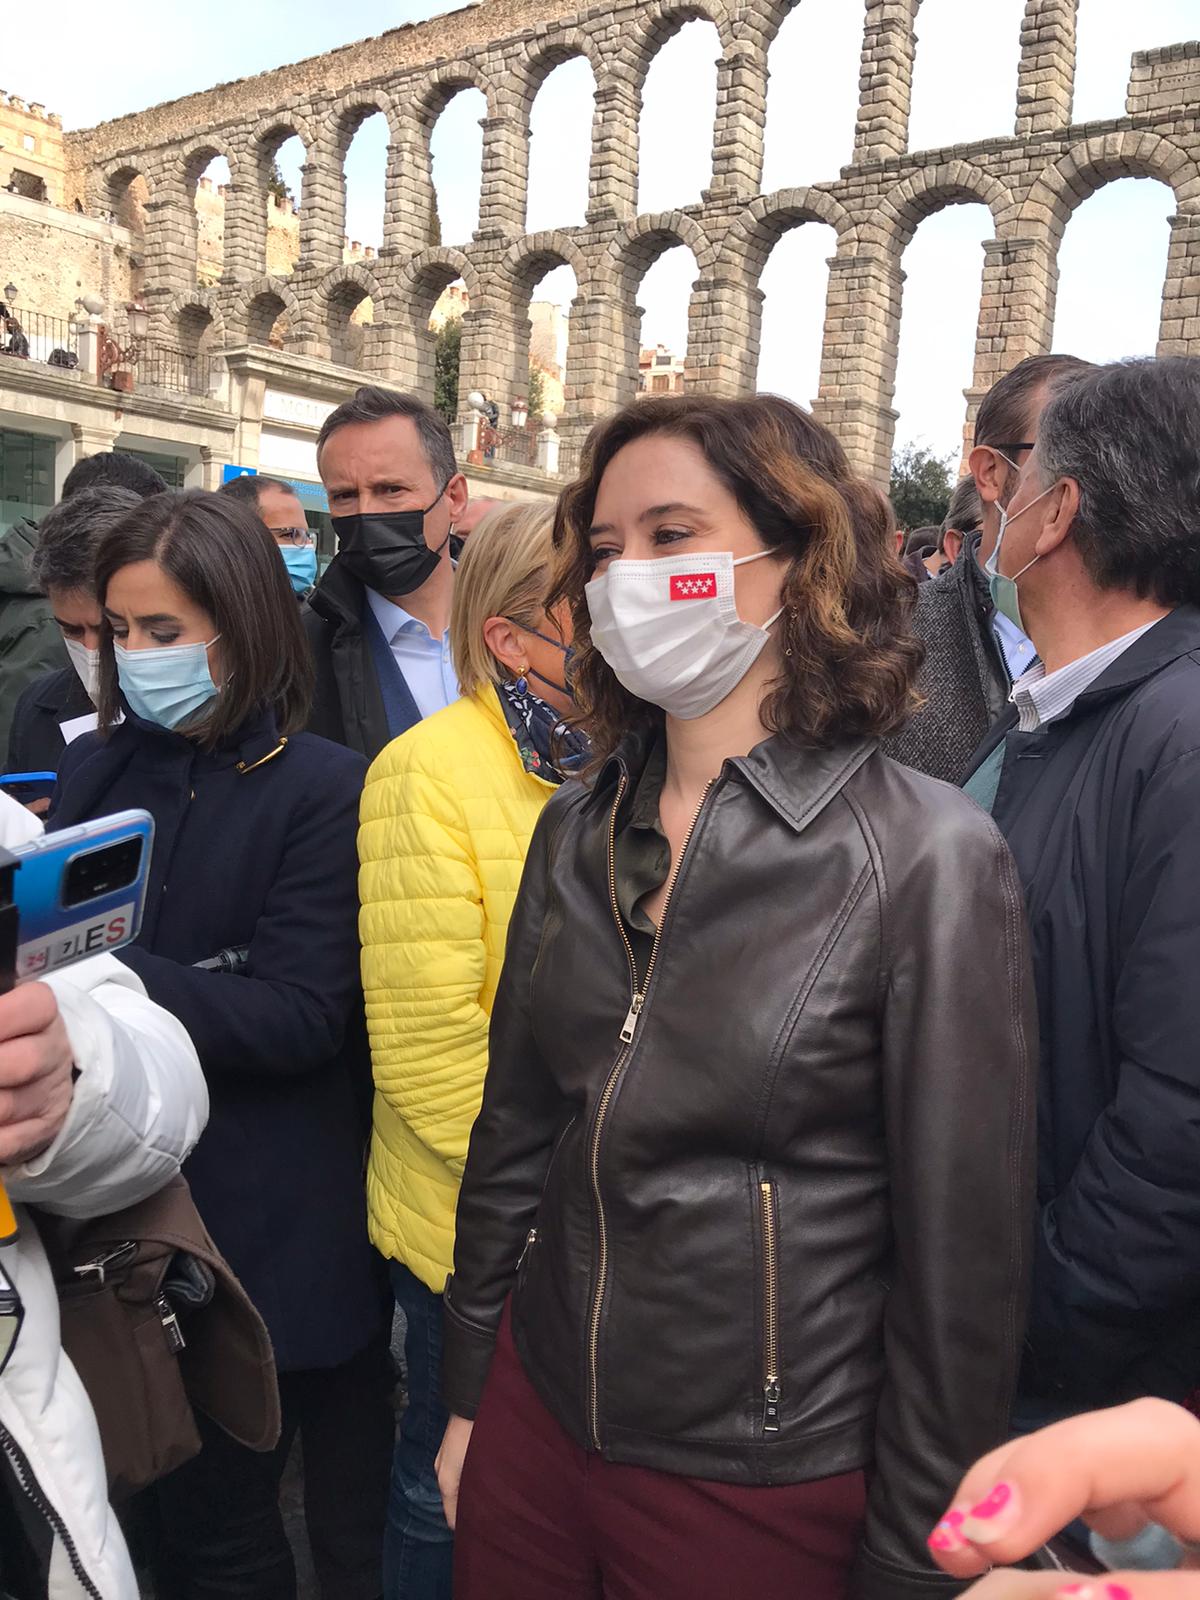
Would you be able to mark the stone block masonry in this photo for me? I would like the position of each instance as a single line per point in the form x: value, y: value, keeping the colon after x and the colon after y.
x: 1030, y: 182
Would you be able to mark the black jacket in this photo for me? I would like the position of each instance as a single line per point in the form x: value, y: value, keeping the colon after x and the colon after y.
x: 348, y: 705
x: 30, y: 640
x: 812, y: 1166
x: 1100, y: 810
x: 266, y: 858
x: 963, y: 680
x: 35, y: 743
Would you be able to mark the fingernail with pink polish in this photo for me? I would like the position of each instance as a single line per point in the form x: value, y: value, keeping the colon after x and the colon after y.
x: 992, y: 1517
x: 946, y: 1535
x: 1093, y: 1591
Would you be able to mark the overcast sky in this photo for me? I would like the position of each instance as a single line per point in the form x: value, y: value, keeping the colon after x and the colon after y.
x: 1112, y: 261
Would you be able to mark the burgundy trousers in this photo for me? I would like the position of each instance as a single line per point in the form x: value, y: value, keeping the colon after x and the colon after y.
x: 541, y: 1519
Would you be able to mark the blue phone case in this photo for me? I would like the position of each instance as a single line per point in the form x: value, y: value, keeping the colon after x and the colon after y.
x: 52, y: 934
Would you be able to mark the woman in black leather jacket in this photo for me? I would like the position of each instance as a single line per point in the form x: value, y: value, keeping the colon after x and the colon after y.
x: 754, y: 1160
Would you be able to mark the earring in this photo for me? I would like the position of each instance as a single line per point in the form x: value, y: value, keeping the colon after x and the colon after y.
x: 522, y: 683
x: 791, y: 618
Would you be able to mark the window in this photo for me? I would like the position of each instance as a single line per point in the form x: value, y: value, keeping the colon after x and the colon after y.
x: 26, y: 476
x: 27, y: 184
x: 28, y: 142
x: 171, y: 469
x: 663, y: 361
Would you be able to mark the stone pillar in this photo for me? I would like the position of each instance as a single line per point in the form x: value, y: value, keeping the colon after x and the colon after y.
x: 724, y: 327
x: 737, y: 163
x: 1179, y: 331
x: 245, y: 222
x: 505, y: 180
x: 410, y: 212
x: 858, y: 359
x: 1046, y: 80
x: 170, y: 246
x: 1016, y: 313
x: 323, y: 212
x: 487, y: 358
x: 613, y: 176
x: 885, y: 82
x: 597, y: 383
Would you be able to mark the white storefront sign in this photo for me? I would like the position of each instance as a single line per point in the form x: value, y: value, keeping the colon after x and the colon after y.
x: 297, y: 409
x: 287, y: 454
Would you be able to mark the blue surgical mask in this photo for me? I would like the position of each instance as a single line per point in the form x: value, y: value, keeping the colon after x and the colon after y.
x: 301, y: 562
x: 167, y: 685
x: 1004, y: 590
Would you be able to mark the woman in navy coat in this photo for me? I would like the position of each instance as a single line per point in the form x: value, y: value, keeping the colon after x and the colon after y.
x: 204, y: 681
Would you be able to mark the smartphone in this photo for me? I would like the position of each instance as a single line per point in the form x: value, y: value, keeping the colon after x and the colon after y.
x: 78, y: 893
x: 27, y: 787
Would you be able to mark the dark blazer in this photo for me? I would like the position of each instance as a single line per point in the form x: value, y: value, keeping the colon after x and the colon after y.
x: 963, y: 680
x: 348, y: 704
x: 35, y: 743
x: 1100, y: 810
x: 265, y: 856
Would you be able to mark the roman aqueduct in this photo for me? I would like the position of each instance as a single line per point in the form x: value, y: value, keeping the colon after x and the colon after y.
x: 1030, y: 182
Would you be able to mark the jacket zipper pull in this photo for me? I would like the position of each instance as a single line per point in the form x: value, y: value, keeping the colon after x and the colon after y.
x: 631, y: 1018
x: 166, y: 1315
x: 530, y: 1241
x: 771, y: 1407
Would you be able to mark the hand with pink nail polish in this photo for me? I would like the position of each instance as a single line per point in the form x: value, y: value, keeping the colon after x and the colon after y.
x: 1119, y: 1470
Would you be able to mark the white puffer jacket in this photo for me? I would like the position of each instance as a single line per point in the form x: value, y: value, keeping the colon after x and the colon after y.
x: 139, y: 1106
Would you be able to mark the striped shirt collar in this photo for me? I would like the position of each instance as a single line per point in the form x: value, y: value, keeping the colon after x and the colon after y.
x: 1042, y: 697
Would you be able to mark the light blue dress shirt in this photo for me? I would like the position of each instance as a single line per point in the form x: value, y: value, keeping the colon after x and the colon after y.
x: 425, y: 661
x: 1017, y: 650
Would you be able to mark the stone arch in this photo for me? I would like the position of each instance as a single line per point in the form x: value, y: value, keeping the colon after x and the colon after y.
x: 894, y: 221
x: 663, y: 19
x: 278, y: 128
x: 1089, y: 165
x: 248, y: 312
x: 638, y: 246
x: 444, y: 82
x: 348, y: 113
x: 111, y: 190
x: 539, y: 60
x: 194, y: 157
x: 527, y: 261
x: 452, y: 263
x: 768, y: 217
x: 338, y: 296
x: 421, y: 284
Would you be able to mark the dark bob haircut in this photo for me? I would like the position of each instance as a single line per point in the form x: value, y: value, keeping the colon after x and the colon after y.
x: 222, y: 557
x: 849, y: 660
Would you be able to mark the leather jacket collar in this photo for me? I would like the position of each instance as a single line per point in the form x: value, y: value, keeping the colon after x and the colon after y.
x: 795, y: 779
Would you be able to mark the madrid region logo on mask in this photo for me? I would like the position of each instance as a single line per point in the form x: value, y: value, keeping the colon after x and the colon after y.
x: 694, y: 586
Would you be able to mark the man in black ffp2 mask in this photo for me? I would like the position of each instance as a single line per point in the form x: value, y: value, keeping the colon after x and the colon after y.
x: 378, y: 619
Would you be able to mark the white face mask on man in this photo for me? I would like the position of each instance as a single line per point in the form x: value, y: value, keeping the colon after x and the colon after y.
x: 670, y: 629
x: 86, y: 662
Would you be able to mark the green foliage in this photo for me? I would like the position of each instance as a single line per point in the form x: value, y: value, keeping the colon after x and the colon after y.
x: 445, y: 368
x: 276, y: 187
x: 537, y: 393
x: 921, y: 486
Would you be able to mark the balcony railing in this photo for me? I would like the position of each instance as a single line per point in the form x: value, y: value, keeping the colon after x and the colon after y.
x: 159, y: 366
x: 517, y: 446
x: 35, y: 336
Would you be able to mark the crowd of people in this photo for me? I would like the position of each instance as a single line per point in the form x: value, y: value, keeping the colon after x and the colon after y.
x: 717, y: 968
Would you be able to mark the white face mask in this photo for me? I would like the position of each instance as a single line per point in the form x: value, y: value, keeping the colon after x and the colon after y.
x: 670, y: 629
x: 87, y: 664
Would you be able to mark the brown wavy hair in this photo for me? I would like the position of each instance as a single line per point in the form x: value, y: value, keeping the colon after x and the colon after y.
x: 849, y: 659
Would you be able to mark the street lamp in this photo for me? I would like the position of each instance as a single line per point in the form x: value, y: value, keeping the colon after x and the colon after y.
x: 137, y: 320
x: 117, y: 362
x: 10, y: 292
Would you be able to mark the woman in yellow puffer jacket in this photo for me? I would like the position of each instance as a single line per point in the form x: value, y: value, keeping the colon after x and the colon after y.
x: 447, y: 815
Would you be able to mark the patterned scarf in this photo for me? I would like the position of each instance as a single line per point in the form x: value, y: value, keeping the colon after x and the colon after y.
x: 547, y: 746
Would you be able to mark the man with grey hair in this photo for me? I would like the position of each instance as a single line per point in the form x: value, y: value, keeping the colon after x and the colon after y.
x: 1093, y: 777
x: 378, y: 620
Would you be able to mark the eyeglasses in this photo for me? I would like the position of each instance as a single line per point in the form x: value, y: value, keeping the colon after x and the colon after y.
x: 1010, y: 450
x: 293, y: 536
x: 12, y: 1314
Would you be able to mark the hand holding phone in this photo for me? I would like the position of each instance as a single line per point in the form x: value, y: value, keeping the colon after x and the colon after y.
x: 36, y: 1072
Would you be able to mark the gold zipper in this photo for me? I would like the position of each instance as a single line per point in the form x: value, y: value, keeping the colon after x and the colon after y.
x: 627, y: 1032
x: 770, y: 1243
